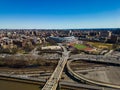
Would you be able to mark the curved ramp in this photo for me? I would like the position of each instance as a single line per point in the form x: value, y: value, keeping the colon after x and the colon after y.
x: 81, y: 77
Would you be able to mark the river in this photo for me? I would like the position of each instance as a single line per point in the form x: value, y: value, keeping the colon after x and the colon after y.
x: 11, y: 85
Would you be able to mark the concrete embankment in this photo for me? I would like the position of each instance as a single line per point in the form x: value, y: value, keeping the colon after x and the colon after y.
x: 22, y: 80
x: 64, y: 85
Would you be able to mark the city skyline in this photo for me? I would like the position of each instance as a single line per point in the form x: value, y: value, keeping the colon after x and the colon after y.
x: 59, y: 14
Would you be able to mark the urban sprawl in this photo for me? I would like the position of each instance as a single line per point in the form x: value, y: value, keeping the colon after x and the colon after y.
x: 68, y: 59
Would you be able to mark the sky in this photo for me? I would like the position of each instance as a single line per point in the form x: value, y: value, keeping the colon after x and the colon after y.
x: 59, y: 14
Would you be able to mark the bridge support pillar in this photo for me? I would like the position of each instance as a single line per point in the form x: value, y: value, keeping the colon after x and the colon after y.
x: 59, y: 86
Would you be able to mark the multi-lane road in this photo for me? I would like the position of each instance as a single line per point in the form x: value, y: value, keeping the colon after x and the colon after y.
x: 53, y: 81
x: 97, y: 58
x: 87, y: 80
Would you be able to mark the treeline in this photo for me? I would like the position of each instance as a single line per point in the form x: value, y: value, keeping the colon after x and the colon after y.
x: 24, y: 61
x: 117, y: 31
x: 8, y: 51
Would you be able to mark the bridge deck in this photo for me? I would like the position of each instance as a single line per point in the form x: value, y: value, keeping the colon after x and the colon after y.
x: 53, y: 81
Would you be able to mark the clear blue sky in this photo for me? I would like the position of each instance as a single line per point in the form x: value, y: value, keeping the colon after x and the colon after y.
x: 59, y: 14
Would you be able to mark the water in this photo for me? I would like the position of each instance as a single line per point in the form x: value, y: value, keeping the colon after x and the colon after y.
x: 11, y: 85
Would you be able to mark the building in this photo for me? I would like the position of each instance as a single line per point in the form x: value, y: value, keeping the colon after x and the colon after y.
x: 62, y: 39
x: 51, y: 48
x: 106, y: 34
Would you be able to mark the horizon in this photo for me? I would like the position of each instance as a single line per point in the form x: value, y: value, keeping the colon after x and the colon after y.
x: 64, y: 29
x: 59, y: 14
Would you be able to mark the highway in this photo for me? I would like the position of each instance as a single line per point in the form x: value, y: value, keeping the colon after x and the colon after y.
x: 96, y: 58
x: 79, y: 85
x: 81, y: 77
x: 35, y: 81
x: 53, y: 81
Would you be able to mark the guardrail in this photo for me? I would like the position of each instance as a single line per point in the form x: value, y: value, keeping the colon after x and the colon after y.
x: 53, y: 81
x: 102, y: 60
x: 42, y: 81
x: 81, y: 77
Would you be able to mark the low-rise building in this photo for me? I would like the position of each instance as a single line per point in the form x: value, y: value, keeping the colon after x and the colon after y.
x: 51, y: 48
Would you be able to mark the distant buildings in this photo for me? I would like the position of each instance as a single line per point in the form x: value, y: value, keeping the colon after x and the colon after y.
x: 105, y: 34
x: 114, y: 39
x: 62, y: 39
x: 20, y: 37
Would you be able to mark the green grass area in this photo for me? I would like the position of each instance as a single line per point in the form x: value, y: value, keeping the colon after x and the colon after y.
x: 80, y: 46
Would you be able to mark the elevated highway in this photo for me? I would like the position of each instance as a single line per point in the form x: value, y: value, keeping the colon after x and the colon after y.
x: 84, y: 79
x: 53, y: 81
x: 94, y: 58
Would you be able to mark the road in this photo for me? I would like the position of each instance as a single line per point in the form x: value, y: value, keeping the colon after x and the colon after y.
x: 96, y: 58
x: 34, y: 51
x: 53, y: 81
x: 87, y: 80
x: 63, y: 83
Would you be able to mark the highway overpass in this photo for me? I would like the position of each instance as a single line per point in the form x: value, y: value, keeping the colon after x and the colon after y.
x: 89, y: 81
x: 53, y: 81
x: 94, y: 58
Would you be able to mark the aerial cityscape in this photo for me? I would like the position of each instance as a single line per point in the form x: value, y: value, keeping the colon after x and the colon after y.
x: 60, y: 45
x: 64, y: 59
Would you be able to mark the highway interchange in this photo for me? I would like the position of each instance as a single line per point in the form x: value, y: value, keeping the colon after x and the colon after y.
x: 54, y: 80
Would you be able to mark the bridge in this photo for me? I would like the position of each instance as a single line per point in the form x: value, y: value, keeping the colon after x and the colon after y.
x: 53, y: 81
x: 89, y: 81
